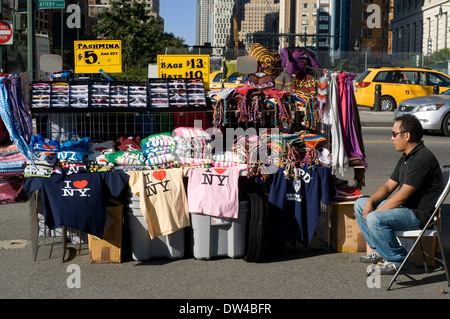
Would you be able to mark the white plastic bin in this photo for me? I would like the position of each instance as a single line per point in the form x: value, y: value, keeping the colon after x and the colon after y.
x: 214, y: 237
x: 143, y: 248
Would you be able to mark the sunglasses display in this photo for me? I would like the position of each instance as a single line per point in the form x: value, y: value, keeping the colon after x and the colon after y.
x: 155, y: 93
x: 176, y: 93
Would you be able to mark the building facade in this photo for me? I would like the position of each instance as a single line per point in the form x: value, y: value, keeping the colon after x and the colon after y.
x: 420, y: 27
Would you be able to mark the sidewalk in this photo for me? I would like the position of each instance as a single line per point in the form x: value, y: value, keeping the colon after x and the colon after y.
x: 313, y: 273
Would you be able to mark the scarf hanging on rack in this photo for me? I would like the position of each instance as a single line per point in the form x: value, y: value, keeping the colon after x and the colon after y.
x: 343, y: 111
x: 355, y: 144
x: 340, y: 160
x: 19, y: 110
x: 11, y: 124
x: 322, y: 94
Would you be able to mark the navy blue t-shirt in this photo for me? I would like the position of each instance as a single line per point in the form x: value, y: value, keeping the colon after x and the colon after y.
x: 301, y: 197
x: 77, y: 200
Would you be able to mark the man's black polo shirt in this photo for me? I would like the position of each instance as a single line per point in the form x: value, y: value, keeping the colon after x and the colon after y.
x: 421, y: 170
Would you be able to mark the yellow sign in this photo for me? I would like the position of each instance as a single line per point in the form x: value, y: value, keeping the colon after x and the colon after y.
x: 183, y: 66
x: 91, y: 56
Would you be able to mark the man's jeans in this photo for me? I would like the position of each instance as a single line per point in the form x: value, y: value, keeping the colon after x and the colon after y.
x: 379, y: 229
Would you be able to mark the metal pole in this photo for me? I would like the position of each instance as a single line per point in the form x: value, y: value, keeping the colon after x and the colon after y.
x: 1, y: 47
x: 377, y: 102
x: 365, y: 60
x: 31, y: 39
x: 62, y: 37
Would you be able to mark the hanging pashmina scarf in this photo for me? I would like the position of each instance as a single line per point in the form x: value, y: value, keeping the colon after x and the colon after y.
x: 10, y: 123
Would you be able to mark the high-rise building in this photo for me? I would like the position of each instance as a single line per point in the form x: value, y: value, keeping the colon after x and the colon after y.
x: 97, y: 6
x: 203, y: 21
x: 223, y: 22
x: 259, y: 16
x: 235, y: 21
x: 420, y: 27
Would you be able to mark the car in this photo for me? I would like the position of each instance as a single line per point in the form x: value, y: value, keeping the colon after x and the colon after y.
x: 398, y: 84
x: 215, y: 81
x: 433, y: 111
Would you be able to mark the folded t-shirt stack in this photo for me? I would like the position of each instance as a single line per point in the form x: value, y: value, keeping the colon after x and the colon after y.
x: 126, y: 158
x: 11, y: 159
x: 129, y: 143
x: 227, y: 159
x: 44, y: 152
x: 72, y: 156
x: 96, y: 156
x: 193, y: 147
x: 158, y: 150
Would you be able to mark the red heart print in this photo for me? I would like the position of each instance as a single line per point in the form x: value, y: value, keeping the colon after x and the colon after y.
x: 220, y: 170
x: 159, y: 175
x: 80, y: 184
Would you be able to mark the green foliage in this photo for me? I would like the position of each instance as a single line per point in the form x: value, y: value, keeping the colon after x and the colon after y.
x: 440, y: 56
x: 142, y: 36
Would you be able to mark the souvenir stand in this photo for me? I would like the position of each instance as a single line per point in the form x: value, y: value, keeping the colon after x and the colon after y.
x: 294, y: 126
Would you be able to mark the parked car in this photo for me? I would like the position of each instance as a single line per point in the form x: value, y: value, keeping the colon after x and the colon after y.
x: 433, y: 111
x: 215, y: 81
x: 398, y: 84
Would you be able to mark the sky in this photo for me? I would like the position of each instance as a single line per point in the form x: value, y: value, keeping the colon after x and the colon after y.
x: 179, y: 18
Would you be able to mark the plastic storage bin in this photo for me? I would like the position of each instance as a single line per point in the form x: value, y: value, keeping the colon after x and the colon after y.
x: 143, y: 248
x: 214, y: 237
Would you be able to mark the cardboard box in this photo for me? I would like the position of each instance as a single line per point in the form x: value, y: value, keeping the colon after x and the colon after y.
x: 345, y: 233
x: 108, y: 249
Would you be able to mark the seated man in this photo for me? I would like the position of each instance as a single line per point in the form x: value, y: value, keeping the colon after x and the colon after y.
x: 418, y: 178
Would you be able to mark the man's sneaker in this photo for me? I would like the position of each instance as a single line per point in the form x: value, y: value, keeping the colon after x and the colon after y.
x: 388, y: 268
x: 372, y: 258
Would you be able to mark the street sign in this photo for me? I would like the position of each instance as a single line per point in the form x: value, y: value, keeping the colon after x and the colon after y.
x: 93, y: 55
x: 6, y: 32
x: 50, y: 4
x: 183, y: 66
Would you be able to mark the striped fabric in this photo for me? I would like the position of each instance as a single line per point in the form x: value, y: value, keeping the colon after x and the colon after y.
x: 11, y: 124
x: 19, y: 110
x: 270, y: 62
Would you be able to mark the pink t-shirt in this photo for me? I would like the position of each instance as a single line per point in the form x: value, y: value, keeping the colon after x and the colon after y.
x: 214, y: 191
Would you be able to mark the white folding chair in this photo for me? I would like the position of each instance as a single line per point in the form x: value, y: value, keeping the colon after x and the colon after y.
x: 432, y: 228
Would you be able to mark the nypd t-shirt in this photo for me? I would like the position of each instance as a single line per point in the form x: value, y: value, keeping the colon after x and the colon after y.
x: 77, y: 200
x: 301, y: 197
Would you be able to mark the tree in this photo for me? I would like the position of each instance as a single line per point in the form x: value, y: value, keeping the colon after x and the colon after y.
x: 440, y: 56
x: 142, y: 36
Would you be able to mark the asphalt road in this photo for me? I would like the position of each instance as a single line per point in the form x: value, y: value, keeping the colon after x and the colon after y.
x: 296, y: 275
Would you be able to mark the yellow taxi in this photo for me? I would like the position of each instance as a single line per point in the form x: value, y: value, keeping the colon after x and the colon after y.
x: 398, y: 84
x: 215, y: 81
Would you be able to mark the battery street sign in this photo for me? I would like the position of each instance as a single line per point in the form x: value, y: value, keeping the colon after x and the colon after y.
x: 183, y: 66
x: 6, y: 32
x: 50, y: 4
x: 95, y: 55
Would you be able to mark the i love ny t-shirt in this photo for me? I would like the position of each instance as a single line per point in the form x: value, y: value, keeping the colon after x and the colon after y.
x: 214, y: 191
x: 162, y: 199
x: 77, y: 200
